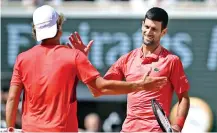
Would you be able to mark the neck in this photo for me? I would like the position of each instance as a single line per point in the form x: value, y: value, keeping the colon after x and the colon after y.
x: 51, y: 41
x: 149, y: 49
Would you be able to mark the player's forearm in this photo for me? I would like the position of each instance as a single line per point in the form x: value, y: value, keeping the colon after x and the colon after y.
x: 182, y: 111
x: 118, y: 91
x: 183, y: 107
x: 113, y: 87
x: 12, y: 104
x: 11, y: 111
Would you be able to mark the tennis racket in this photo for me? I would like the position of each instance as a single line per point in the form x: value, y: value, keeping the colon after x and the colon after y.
x: 161, y: 117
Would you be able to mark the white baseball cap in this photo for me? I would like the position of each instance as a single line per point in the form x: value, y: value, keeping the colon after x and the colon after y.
x: 45, y: 22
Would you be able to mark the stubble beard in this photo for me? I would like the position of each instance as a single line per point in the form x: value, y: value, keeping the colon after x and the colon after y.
x: 148, y: 43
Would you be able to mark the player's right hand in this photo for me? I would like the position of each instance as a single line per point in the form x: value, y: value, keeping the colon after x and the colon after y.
x: 155, y: 82
x: 150, y: 83
x: 77, y: 43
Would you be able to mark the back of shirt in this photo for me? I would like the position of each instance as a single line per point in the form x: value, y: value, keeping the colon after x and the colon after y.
x: 48, y: 74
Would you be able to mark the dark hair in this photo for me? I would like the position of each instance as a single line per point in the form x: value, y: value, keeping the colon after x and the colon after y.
x: 157, y: 14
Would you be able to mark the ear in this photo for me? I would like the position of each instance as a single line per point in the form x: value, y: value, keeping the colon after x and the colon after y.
x: 164, y: 32
x: 143, y: 22
x: 143, y: 25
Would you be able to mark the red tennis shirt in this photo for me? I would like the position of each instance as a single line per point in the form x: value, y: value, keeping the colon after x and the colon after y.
x: 48, y: 74
x: 133, y: 66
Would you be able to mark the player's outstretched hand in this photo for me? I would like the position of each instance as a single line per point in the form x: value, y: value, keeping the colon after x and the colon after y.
x: 77, y: 43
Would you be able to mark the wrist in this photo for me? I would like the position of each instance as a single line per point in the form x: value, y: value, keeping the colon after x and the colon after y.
x: 138, y: 85
x: 10, y: 129
x: 176, y: 128
x: 180, y: 121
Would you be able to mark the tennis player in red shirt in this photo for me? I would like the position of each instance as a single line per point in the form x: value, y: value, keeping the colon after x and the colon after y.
x: 154, y: 59
x: 48, y: 73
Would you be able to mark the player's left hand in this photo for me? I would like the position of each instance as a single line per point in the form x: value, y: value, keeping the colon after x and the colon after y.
x: 77, y: 43
x: 176, y: 128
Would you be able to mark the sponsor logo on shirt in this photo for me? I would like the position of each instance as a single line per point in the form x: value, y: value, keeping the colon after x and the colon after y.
x: 156, y: 70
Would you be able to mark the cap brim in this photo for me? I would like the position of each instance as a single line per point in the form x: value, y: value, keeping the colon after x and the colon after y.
x: 45, y: 33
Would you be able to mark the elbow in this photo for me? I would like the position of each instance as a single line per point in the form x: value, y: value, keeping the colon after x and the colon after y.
x: 98, y: 87
x: 96, y: 95
x: 10, y: 103
x: 188, y: 102
x: 102, y: 85
x: 11, y: 99
x: 187, y: 98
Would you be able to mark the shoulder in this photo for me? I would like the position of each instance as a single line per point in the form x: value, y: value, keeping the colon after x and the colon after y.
x: 27, y: 53
x: 72, y: 52
x: 68, y: 51
x: 169, y: 55
x: 130, y: 55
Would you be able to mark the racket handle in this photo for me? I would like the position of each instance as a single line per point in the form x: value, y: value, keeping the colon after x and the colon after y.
x: 170, y: 130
